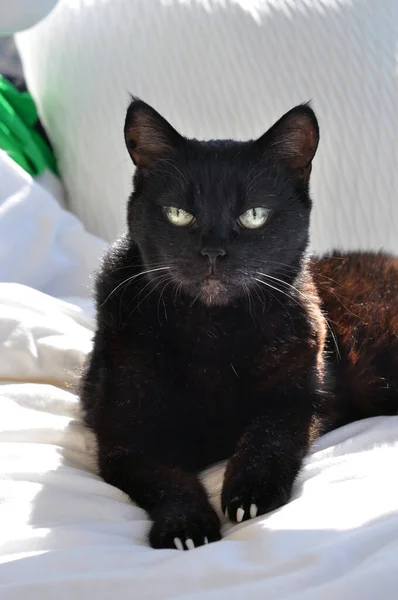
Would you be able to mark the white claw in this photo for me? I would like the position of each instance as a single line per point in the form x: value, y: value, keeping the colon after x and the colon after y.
x: 253, y: 511
x: 178, y: 544
x: 240, y: 513
x: 206, y: 540
x: 189, y: 544
x: 226, y: 514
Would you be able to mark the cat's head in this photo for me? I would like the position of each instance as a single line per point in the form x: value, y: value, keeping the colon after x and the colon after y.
x: 222, y: 215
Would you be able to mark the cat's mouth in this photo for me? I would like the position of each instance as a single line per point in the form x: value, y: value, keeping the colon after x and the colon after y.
x: 212, y: 289
x: 213, y: 292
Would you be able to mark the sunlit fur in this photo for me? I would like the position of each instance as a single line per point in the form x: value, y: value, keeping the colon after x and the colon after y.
x: 218, y: 342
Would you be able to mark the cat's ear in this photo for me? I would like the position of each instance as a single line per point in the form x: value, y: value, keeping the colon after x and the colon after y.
x: 148, y: 136
x: 293, y: 139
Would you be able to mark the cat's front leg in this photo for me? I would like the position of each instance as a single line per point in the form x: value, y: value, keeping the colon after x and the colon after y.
x: 175, y: 499
x: 143, y: 446
x: 259, y: 476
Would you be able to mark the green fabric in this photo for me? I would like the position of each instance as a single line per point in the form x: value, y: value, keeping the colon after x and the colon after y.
x: 18, y: 117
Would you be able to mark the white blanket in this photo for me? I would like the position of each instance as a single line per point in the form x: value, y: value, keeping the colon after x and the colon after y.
x: 65, y: 534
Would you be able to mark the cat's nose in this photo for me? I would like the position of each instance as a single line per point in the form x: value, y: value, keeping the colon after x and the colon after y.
x: 213, y: 254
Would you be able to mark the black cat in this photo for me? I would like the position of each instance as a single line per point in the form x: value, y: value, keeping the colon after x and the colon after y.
x: 212, y: 340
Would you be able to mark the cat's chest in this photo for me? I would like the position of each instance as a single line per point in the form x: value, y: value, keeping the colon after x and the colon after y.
x: 211, y: 362
x: 213, y: 368
x: 213, y: 395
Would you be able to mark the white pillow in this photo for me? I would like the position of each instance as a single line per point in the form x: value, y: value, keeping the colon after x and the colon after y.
x: 225, y: 68
x: 21, y: 14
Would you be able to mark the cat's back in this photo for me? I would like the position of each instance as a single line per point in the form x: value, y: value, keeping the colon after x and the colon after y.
x: 363, y: 278
x: 359, y: 294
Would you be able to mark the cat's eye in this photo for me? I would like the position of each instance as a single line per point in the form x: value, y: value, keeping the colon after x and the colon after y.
x: 254, y: 218
x: 178, y: 217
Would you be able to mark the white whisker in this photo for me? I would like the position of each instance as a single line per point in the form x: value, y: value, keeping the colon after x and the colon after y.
x: 268, y: 285
x: 310, y: 302
x: 129, y: 279
x: 272, y: 287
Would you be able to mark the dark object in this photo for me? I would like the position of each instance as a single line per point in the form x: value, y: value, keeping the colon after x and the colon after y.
x: 10, y: 63
x: 219, y: 338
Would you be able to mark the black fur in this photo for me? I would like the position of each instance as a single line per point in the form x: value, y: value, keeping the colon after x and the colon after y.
x: 226, y: 352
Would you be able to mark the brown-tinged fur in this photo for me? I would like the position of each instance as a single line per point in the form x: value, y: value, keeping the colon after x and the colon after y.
x: 359, y: 292
x: 220, y: 341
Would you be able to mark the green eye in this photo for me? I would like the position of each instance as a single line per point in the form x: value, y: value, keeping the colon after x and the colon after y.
x: 178, y: 217
x: 254, y: 218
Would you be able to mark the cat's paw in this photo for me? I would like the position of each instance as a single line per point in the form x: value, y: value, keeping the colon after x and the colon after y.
x: 249, y: 494
x: 184, y: 527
